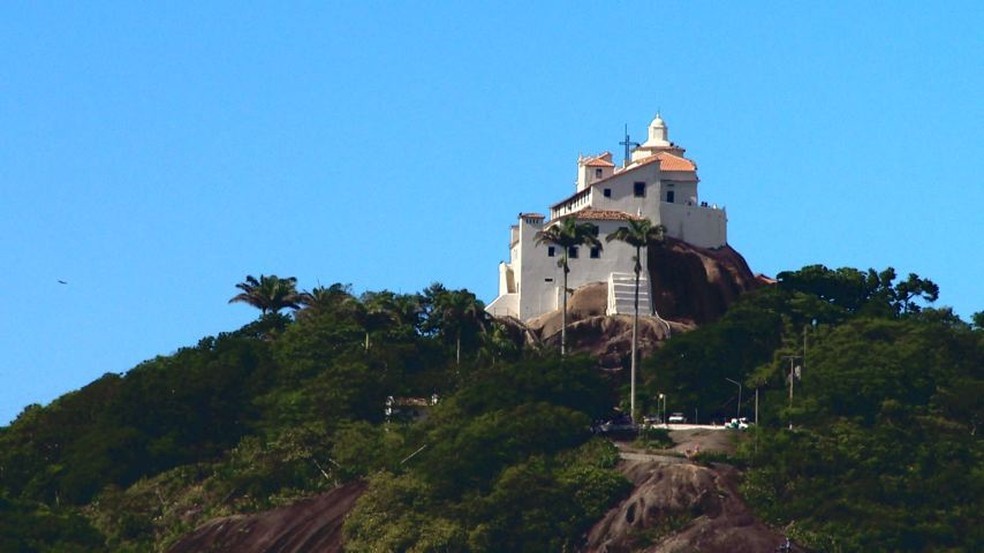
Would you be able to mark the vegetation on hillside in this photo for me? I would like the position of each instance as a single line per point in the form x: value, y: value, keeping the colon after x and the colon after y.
x: 879, y: 448
x: 878, y: 445
x: 237, y: 422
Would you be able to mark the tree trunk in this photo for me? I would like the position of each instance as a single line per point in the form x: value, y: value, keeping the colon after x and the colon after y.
x: 563, y: 328
x: 635, y: 340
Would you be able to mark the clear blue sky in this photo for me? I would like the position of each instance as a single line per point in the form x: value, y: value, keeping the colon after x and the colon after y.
x: 153, y: 154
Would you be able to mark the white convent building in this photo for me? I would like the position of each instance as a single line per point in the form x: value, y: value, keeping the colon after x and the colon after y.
x: 656, y: 182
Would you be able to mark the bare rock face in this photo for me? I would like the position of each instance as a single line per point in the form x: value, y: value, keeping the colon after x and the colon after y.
x: 313, y: 524
x: 697, y: 284
x: 681, y: 507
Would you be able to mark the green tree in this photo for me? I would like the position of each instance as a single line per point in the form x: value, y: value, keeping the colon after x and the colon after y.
x: 912, y: 288
x: 567, y: 234
x: 497, y: 343
x: 375, y: 312
x: 269, y: 294
x: 639, y: 234
x: 456, y: 313
x: 323, y: 299
x: 977, y: 320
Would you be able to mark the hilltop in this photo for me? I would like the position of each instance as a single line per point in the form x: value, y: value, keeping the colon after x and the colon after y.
x: 282, y: 431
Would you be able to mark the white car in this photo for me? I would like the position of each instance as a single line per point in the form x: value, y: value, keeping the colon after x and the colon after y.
x: 737, y: 424
x: 676, y: 418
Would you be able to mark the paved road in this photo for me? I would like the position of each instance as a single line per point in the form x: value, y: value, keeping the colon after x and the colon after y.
x: 689, y: 439
x: 672, y: 426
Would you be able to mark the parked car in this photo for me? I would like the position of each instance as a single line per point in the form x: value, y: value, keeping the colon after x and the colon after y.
x: 676, y: 418
x: 737, y: 424
x: 617, y: 425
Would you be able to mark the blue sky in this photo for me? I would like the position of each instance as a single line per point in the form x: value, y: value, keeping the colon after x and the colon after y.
x: 153, y: 154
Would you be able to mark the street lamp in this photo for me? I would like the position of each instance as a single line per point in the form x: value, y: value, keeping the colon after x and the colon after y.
x: 735, y: 382
x: 661, y: 398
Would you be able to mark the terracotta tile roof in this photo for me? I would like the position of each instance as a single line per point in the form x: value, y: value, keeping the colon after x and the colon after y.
x: 670, y: 162
x: 591, y: 214
x: 598, y: 162
x: 532, y: 215
x: 667, y: 162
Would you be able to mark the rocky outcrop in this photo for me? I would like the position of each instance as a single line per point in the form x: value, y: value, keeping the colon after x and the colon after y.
x: 696, y: 285
x: 681, y: 507
x: 313, y: 524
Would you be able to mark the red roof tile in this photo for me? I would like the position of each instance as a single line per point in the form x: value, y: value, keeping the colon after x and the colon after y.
x: 603, y: 160
x: 670, y: 162
x: 599, y: 163
x: 667, y: 162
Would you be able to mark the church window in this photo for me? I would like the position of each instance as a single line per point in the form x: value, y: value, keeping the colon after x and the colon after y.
x: 595, y: 252
x: 608, y: 192
x: 670, y: 196
x: 597, y: 173
x: 551, y: 251
x: 572, y: 252
x: 639, y: 189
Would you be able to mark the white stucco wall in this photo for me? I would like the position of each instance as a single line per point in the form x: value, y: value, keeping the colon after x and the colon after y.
x: 705, y: 227
x: 542, y: 279
x: 623, y: 194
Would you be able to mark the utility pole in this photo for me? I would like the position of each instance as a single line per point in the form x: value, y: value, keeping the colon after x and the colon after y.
x: 756, y: 406
x: 735, y: 382
x: 794, y: 373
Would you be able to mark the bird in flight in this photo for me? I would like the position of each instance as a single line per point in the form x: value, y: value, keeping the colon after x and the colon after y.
x: 62, y: 282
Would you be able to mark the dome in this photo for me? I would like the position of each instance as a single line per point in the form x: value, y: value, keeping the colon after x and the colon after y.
x: 658, y: 134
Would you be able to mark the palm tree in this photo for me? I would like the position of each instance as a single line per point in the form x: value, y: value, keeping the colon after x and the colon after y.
x: 322, y: 299
x: 638, y: 234
x: 566, y: 234
x: 456, y: 310
x: 376, y: 311
x: 269, y: 294
x: 497, y: 343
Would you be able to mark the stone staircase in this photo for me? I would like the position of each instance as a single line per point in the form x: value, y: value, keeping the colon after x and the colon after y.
x: 621, y: 292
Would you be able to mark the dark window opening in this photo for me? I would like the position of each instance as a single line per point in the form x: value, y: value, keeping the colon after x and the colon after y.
x: 670, y: 196
x: 572, y: 252
x: 548, y: 280
x: 551, y: 251
x: 595, y: 252
x: 597, y: 173
x: 608, y: 192
x: 639, y: 189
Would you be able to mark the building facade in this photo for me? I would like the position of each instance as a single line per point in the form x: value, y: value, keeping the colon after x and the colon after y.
x: 656, y: 182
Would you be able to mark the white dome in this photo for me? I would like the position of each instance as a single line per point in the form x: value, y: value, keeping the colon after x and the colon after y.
x: 658, y: 133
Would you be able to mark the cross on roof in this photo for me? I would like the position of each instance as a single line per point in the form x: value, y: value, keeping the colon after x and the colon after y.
x: 628, y: 144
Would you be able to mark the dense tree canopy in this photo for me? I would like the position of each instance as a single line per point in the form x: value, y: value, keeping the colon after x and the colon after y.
x: 884, y: 451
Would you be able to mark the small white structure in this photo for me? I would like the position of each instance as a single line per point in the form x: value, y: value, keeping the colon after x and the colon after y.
x: 656, y: 182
